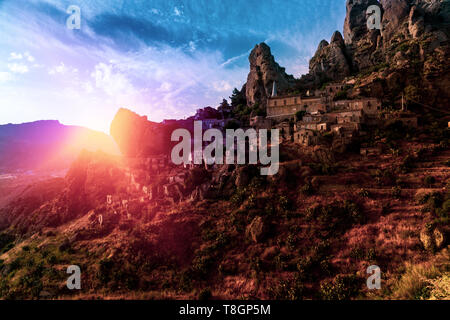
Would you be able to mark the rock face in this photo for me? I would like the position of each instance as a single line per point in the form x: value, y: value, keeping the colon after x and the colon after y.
x: 355, y: 25
x: 395, y: 12
x: 138, y: 137
x: 330, y: 59
x: 416, y: 23
x: 263, y: 72
x: 408, y: 52
x: 256, y: 230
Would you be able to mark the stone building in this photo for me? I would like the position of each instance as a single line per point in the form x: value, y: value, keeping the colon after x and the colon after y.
x: 260, y: 122
x: 285, y: 131
x: 318, y: 122
x: 285, y: 107
x: 408, y: 119
x: 370, y: 106
x: 306, y: 137
x: 333, y: 88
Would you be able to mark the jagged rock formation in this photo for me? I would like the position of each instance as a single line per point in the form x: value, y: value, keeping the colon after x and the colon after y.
x: 263, y: 72
x: 416, y: 22
x: 395, y: 12
x: 330, y: 59
x: 408, y: 54
x: 355, y: 27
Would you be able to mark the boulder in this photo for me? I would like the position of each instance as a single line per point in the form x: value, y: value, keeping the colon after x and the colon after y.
x: 432, y: 237
x: 256, y: 230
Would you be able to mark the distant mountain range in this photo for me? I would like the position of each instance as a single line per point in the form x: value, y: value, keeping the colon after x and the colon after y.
x: 47, y: 145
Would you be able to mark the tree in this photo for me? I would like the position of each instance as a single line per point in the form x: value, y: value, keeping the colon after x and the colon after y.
x: 224, y: 104
x: 411, y: 94
x: 238, y: 97
x: 299, y: 115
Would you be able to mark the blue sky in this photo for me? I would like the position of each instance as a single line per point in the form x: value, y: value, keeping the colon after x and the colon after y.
x: 160, y: 58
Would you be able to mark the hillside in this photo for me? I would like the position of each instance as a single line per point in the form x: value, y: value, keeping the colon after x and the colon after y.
x: 47, y: 145
x: 141, y: 227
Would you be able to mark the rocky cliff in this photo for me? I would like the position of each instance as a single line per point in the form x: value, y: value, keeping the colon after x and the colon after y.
x: 408, y: 55
x: 263, y: 72
x: 331, y: 59
x: 138, y: 137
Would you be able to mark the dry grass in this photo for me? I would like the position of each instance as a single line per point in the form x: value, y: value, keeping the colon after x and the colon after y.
x: 425, y: 281
x: 440, y: 288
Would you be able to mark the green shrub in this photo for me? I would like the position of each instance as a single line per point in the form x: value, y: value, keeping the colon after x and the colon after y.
x: 239, y: 196
x: 340, y: 95
x: 6, y: 242
x: 364, y: 193
x: 307, y: 189
x: 299, y: 115
x: 396, y: 192
x: 363, y: 254
x: 337, y: 216
x: 433, y: 202
x: 287, y: 290
x: 341, y: 288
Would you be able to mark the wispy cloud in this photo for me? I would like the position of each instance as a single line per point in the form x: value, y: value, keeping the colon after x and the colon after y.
x: 18, y: 68
x: 159, y: 58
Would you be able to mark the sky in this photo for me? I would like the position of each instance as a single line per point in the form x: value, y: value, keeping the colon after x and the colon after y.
x: 160, y: 58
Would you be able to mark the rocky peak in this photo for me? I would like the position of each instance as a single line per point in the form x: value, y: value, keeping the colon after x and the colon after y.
x: 355, y: 25
x: 337, y: 38
x: 324, y: 43
x: 264, y: 70
x: 330, y: 61
x: 395, y: 12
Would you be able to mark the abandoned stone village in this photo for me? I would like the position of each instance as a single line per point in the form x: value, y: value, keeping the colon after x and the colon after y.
x: 304, y: 121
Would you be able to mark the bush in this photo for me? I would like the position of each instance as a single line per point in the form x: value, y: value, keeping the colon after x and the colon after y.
x: 363, y: 254
x: 307, y: 189
x: 429, y: 181
x: 239, y: 196
x: 299, y: 115
x: 433, y: 202
x: 205, y: 294
x: 6, y: 242
x: 340, y: 95
x: 337, y: 216
x: 413, y: 284
x: 396, y: 192
x: 287, y: 290
x: 341, y: 288
x: 364, y: 193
